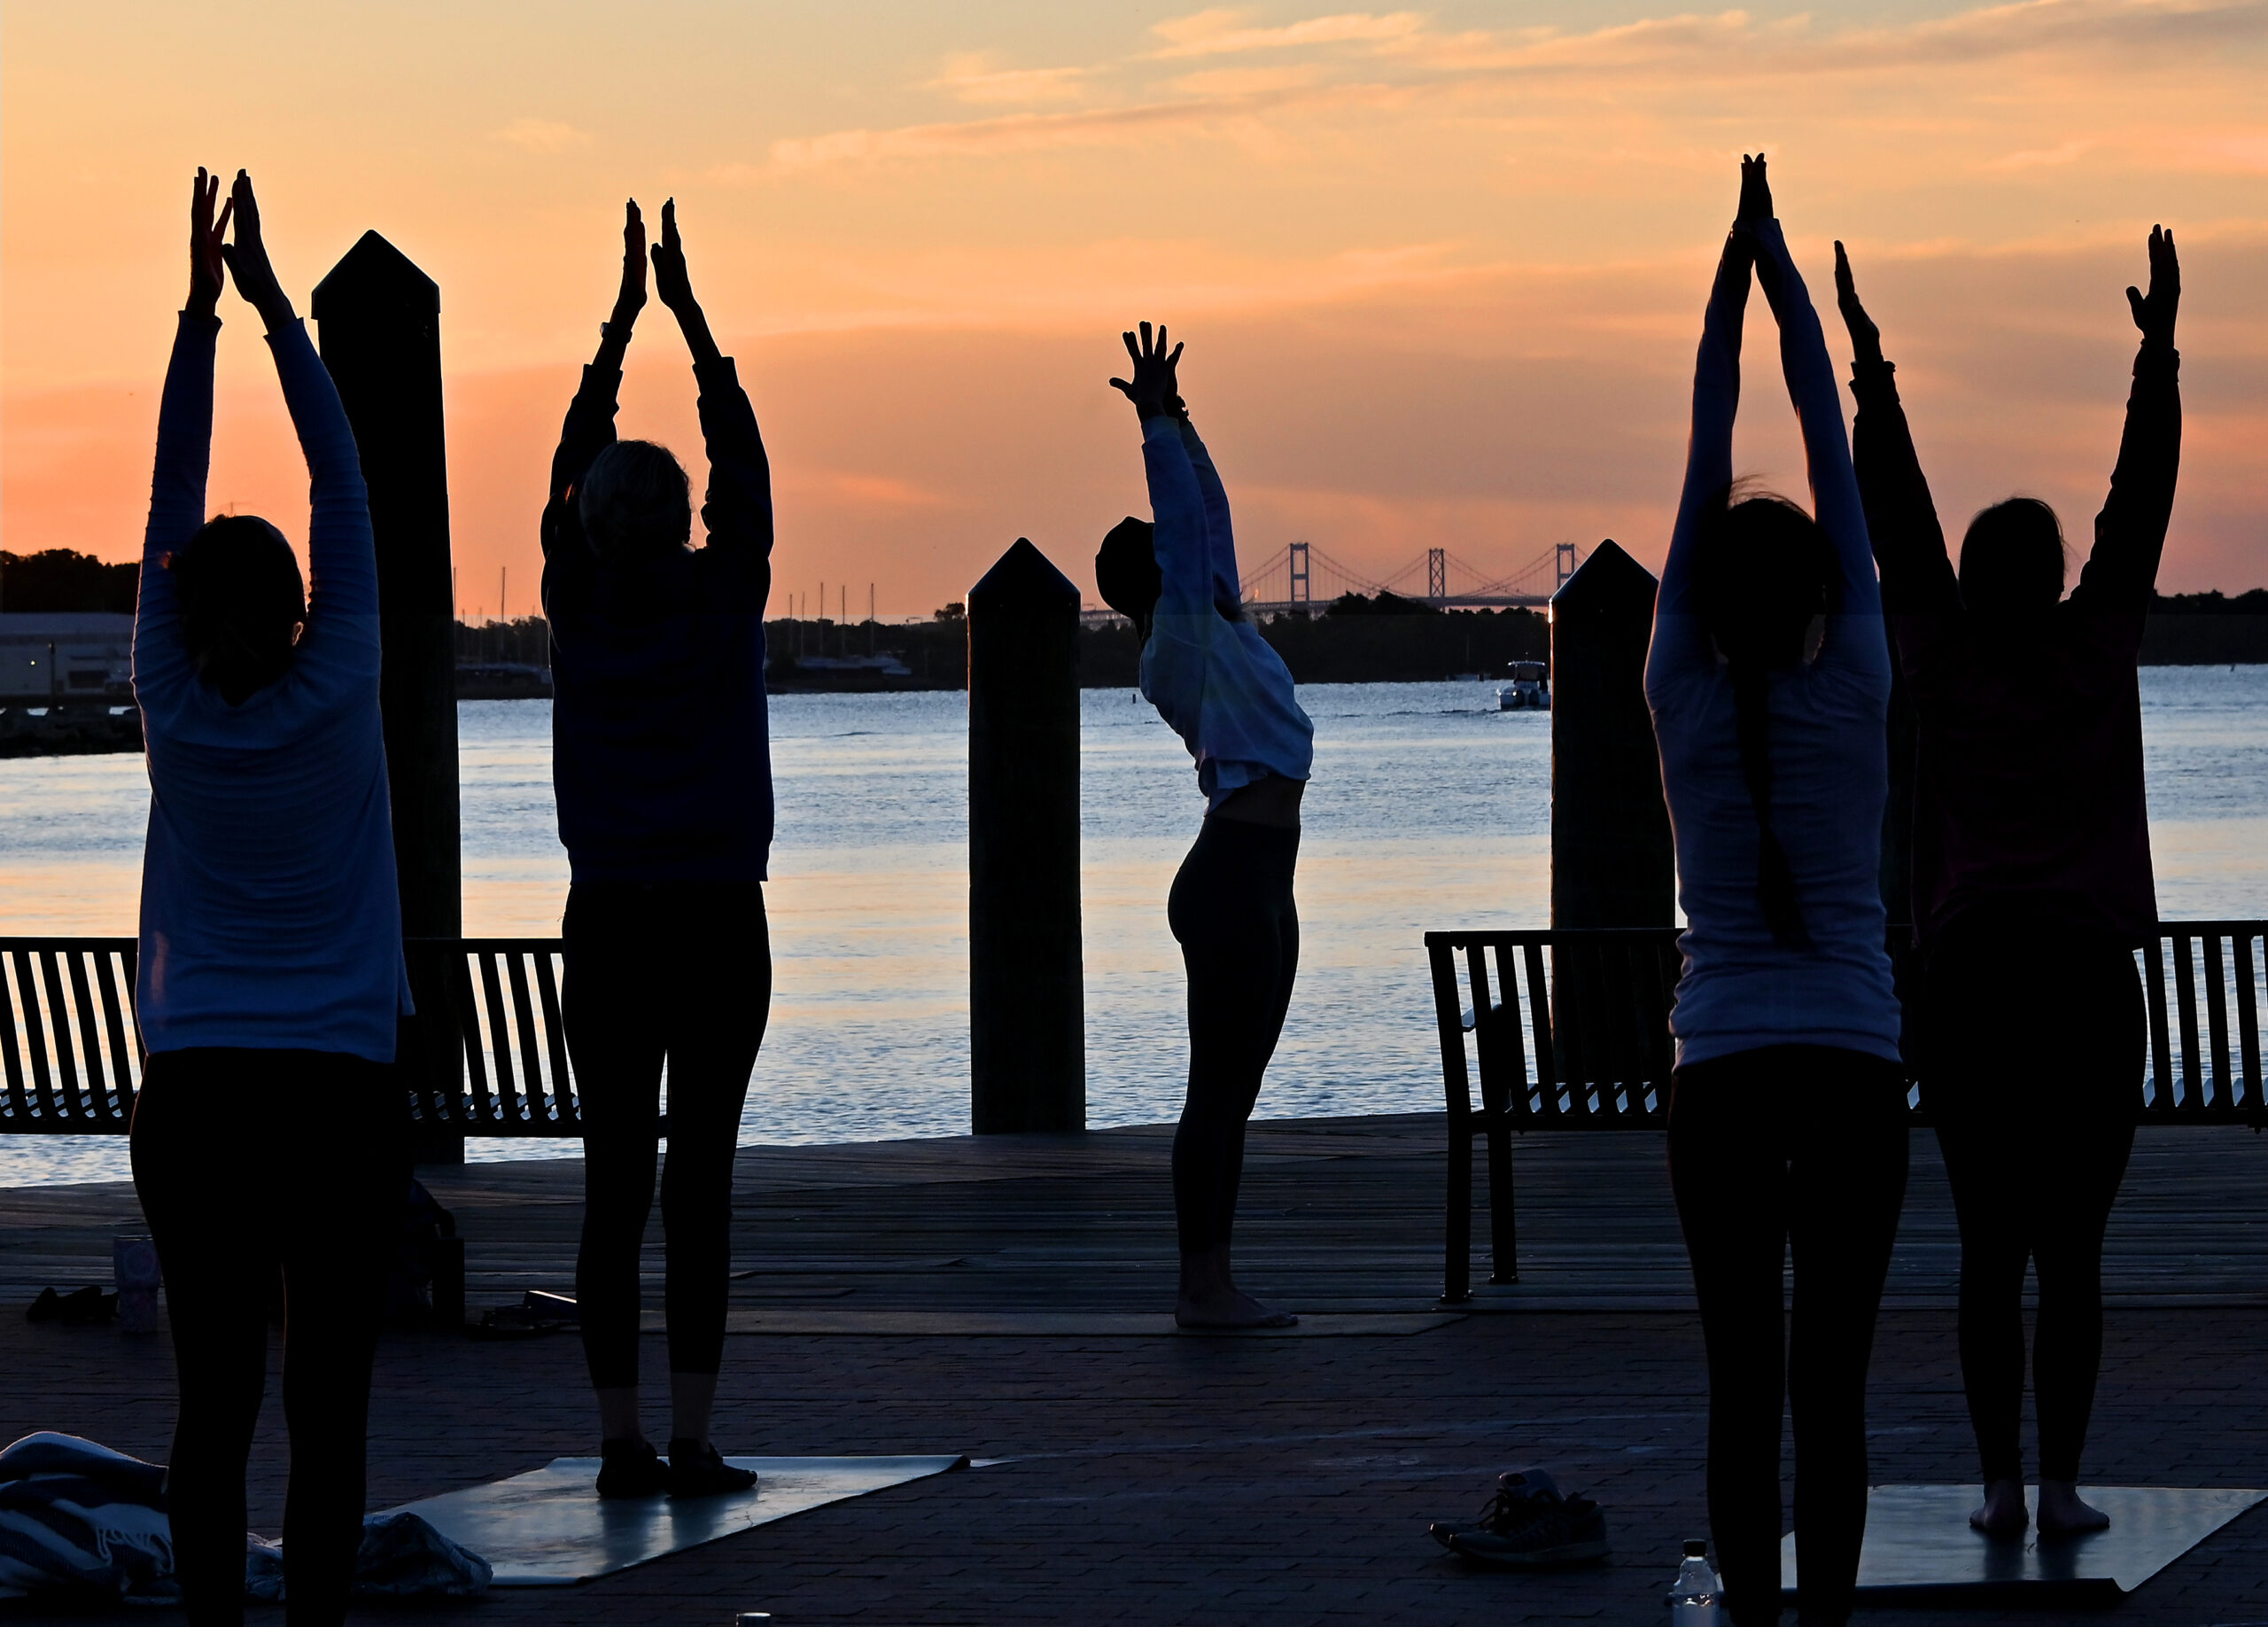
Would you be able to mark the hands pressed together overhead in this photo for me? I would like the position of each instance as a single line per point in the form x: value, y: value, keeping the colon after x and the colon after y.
x: 671, y: 281
x: 245, y: 260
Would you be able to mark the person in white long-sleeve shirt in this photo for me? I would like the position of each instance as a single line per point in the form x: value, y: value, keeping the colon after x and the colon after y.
x: 270, y: 1132
x: 1229, y: 695
x: 1787, y: 1102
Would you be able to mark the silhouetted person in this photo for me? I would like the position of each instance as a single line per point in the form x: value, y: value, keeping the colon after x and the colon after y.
x: 2031, y: 884
x: 1229, y: 696
x: 662, y: 764
x: 271, y: 1132
x: 1787, y: 1101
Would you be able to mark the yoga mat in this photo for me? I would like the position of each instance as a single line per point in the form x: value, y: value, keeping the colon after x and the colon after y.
x: 1919, y: 1546
x: 549, y: 1528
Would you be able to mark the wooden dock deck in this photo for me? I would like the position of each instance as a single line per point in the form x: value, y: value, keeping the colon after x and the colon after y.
x: 1005, y: 1297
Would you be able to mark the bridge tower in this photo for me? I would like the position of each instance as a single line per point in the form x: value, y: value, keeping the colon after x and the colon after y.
x: 1303, y: 590
x: 1437, y: 575
x: 1566, y: 562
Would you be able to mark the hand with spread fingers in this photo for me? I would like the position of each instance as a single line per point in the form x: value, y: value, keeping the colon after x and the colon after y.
x: 1154, y: 389
x: 1865, y: 339
x: 247, y: 260
x: 2154, y: 313
x: 207, y: 237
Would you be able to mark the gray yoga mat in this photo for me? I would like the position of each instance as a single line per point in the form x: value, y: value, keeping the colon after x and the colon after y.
x: 1919, y: 1546
x: 549, y: 1528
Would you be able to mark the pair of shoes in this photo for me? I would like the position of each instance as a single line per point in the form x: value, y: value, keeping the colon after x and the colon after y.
x: 698, y: 1469
x: 85, y: 1308
x: 632, y: 1468
x: 1528, y: 1525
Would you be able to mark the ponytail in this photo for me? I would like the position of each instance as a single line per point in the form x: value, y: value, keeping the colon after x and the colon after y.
x: 1775, y: 882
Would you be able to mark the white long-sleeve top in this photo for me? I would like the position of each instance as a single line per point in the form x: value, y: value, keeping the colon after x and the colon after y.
x: 269, y: 914
x: 1210, y: 674
x: 1741, y: 988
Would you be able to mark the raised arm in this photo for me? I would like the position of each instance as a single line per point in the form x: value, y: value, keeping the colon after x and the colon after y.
x: 1856, y: 638
x: 2122, y: 569
x: 1219, y: 540
x: 1176, y: 500
x: 675, y: 286
x: 737, y: 512
x: 1910, y: 543
x: 589, y: 428
x: 184, y: 447
x: 1678, y: 638
x: 342, y: 636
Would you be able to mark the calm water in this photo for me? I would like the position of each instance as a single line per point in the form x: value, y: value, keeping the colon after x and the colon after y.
x: 1429, y: 808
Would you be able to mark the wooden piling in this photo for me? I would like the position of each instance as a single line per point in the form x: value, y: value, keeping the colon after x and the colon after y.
x: 1027, y: 984
x: 1612, y: 861
x: 380, y: 320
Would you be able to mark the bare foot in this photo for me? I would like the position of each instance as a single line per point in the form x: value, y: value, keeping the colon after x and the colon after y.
x: 2062, y: 1513
x: 1209, y: 1297
x: 2002, y: 1513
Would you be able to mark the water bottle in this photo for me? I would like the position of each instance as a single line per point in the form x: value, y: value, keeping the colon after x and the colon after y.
x: 1693, y: 1597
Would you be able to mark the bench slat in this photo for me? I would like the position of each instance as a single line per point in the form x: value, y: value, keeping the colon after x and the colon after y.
x: 2247, y: 1026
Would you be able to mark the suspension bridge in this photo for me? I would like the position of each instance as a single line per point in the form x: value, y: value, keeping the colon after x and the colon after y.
x: 1299, y: 576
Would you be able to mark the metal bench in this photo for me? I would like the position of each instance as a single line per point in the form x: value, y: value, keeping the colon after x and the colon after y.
x: 72, y: 1050
x: 1570, y: 1030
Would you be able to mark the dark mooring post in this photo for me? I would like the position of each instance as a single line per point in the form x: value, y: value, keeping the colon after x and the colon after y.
x: 1612, y: 865
x: 1027, y: 1000
x: 381, y: 330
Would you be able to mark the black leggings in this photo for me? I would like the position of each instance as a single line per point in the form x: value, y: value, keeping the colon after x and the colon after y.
x: 1788, y: 1145
x: 2036, y: 1071
x: 681, y: 970
x: 1231, y: 910
x: 248, y: 1163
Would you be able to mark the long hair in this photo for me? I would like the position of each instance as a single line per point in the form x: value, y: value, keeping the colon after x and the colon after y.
x: 241, y: 603
x: 1765, y: 571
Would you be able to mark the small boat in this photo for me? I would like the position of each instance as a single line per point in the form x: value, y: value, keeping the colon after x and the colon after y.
x: 1530, y: 688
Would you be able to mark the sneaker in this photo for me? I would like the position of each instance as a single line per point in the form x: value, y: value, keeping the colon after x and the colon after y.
x: 698, y: 1469
x: 631, y: 1468
x: 1528, y: 1525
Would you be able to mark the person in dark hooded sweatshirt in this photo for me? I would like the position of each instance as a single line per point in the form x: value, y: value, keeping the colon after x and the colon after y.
x: 662, y: 766
x: 2032, y: 886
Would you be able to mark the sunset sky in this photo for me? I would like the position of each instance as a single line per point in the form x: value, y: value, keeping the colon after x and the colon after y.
x: 1439, y: 271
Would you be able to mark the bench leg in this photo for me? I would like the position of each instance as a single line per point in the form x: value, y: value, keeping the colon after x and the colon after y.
x: 1457, y: 1278
x: 1504, y: 1240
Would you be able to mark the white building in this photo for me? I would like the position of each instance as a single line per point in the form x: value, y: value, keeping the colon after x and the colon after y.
x: 78, y: 655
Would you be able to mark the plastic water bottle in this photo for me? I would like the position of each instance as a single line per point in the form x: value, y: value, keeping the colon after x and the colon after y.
x: 1693, y: 1597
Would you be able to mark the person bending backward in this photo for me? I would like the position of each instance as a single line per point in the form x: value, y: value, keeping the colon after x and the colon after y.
x: 1787, y: 1101
x: 270, y: 1132
x: 2032, y: 883
x: 662, y: 770
x: 1229, y: 696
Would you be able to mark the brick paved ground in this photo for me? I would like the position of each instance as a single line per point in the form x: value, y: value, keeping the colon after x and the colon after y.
x: 1177, y: 1479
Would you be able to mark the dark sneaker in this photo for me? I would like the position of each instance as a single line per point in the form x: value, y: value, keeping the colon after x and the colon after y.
x: 1528, y: 1525
x: 700, y: 1470
x: 632, y: 1468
